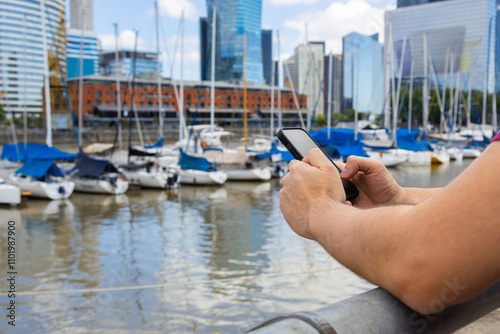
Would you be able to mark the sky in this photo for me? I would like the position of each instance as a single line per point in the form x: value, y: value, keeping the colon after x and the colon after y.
x: 326, y: 20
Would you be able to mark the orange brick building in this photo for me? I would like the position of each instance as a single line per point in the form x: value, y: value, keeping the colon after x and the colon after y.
x: 99, y: 92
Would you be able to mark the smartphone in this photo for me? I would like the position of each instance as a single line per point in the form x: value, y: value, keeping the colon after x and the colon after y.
x: 299, y: 143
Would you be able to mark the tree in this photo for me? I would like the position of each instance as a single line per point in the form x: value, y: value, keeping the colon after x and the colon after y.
x: 2, y: 114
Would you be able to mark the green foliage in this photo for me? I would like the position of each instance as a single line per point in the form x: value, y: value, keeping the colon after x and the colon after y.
x: 320, y: 120
x: 350, y: 114
x: 2, y: 114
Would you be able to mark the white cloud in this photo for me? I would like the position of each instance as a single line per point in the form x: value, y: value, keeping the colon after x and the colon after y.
x: 191, y: 59
x: 174, y: 8
x: 337, y: 21
x: 126, y: 40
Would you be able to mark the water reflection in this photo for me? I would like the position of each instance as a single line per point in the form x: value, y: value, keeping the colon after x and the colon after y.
x: 197, y: 259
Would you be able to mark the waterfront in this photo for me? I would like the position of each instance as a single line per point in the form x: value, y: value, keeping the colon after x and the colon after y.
x: 192, y: 260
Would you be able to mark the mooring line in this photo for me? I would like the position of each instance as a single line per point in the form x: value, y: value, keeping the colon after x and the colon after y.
x: 163, y: 285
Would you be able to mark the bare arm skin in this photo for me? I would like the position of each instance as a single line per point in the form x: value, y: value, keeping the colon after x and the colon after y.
x: 439, y: 252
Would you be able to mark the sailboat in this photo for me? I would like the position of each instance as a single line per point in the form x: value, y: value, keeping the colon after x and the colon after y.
x: 42, y: 179
x: 39, y: 176
x: 97, y: 176
x: 148, y: 173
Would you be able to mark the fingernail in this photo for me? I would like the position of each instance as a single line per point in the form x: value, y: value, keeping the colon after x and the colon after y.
x: 345, y: 172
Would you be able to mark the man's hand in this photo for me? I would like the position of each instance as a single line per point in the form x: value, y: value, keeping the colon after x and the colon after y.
x: 310, y: 188
x: 375, y: 184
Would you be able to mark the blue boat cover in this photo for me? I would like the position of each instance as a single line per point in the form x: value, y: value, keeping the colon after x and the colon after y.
x: 39, y: 169
x: 89, y: 167
x: 187, y: 161
x: 285, y: 155
x: 347, y: 150
x: 159, y: 143
x: 342, y: 140
x: 337, y: 137
x: 408, y: 141
x: 35, y: 152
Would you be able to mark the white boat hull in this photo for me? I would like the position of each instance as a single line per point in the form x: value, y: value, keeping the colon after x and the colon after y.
x: 471, y: 153
x: 389, y: 159
x: 255, y: 174
x: 161, y: 179
x: 440, y: 157
x: 198, y: 177
x: 100, y: 186
x: 10, y: 194
x: 40, y: 189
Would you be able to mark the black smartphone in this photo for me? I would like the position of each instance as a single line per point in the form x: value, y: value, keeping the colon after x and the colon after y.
x: 299, y: 143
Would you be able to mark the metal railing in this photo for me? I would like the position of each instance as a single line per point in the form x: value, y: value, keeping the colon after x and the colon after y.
x: 377, y: 311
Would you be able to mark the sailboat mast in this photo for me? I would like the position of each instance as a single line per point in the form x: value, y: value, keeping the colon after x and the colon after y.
x: 396, y: 108
x: 80, y: 83
x: 393, y: 81
x: 48, y: 111
x: 329, y: 109
x: 280, y: 121
x: 273, y: 71
x: 494, y: 121
x: 160, y: 114
x: 25, y: 116
x: 212, y: 72
x: 308, y: 81
x: 181, y: 97
x: 485, y: 96
x: 425, y: 88
x: 118, y: 90
x: 469, y: 98
x: 356, y: 95
x: 410, y: 106
x: 245, y: 130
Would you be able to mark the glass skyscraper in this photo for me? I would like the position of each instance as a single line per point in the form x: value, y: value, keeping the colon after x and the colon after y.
x: 21, y: 51
x: 363, y: 73
x: 267, y: 55
x: 459, y: 36
x: 235, y: 18
x: 84, y: 49
x: 406, y: 3
x: 145, y: 62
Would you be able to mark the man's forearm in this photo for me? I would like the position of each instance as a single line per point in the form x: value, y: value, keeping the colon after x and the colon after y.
x: 414, y: 196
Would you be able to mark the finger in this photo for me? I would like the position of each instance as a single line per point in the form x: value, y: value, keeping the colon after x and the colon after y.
x: 317, y: 158
x: 357, y: 164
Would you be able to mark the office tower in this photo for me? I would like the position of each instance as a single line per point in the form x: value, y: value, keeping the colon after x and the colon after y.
x: 267, y: 55
x: 82, y: 46
x: 276, y: 73
x: 336, y: 83
x: 309, y: 66
x: 362, y: 73
x: 21, y: 51
x: 204, y: 75
x: 82, y: 14
x: 235, y: 19
x: 145, y: 63
x: 459, y: 36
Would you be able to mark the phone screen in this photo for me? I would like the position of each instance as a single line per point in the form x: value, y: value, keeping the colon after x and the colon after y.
x: 301, y: 141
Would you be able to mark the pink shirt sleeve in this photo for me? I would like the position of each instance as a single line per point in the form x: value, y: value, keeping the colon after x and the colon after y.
x: 497, y: 137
